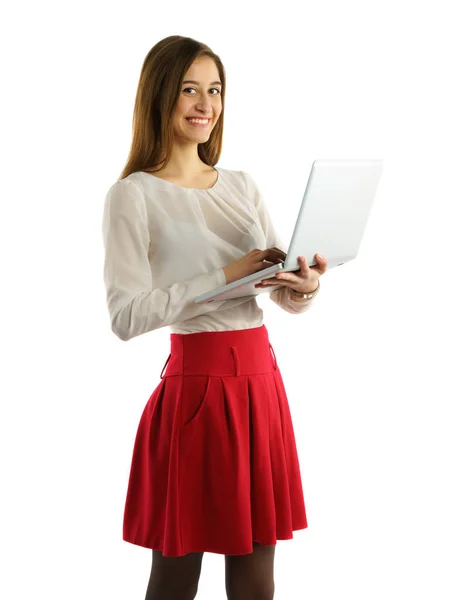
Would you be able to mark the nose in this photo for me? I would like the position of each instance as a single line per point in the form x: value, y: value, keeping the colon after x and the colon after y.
x: 205, y: 105
x: 205, y: 109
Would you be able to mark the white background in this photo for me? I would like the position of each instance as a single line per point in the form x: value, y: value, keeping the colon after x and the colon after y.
x: 367, y: 369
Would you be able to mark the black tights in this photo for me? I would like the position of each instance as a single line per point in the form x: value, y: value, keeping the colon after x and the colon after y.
x: 248, y: 576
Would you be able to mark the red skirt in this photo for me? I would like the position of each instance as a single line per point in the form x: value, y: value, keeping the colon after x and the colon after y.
x: 215, y: 463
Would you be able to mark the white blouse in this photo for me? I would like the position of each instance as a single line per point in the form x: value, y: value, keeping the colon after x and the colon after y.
x: 165, y: 244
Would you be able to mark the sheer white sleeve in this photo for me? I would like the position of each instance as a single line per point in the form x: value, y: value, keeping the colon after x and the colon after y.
x: 134, y: 306
x: 281, y: 296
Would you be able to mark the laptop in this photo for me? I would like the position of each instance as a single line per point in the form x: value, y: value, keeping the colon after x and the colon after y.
x: 331, y: 220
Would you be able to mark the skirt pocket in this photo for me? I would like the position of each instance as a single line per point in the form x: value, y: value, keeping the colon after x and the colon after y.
x: 195, y: 392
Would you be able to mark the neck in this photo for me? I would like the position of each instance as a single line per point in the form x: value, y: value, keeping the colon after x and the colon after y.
x: 184, y: 162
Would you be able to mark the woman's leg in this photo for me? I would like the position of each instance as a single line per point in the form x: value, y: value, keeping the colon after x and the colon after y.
x: 174, y: 577
x: 250, y: 576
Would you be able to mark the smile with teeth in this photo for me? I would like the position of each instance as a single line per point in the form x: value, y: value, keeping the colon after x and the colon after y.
x: 198, y: 122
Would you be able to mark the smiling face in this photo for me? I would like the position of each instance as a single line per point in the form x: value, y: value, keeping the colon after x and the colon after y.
x: 200, y: 97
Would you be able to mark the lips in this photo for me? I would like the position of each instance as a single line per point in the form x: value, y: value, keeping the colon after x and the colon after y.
x: 205, y: 125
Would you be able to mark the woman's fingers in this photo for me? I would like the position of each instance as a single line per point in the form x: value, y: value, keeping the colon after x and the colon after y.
x: 322, y: 263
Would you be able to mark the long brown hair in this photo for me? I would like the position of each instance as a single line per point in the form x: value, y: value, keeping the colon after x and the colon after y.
x: 157, y: 95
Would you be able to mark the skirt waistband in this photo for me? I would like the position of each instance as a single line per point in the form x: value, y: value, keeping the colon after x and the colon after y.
x: 224, y: 353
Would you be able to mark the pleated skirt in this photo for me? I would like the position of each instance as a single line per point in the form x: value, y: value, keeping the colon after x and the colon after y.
x: 214, y: 464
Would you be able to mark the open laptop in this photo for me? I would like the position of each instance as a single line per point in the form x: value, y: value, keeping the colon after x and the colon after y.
x: 331, y: 220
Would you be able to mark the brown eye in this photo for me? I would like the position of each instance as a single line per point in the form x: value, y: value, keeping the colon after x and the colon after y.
x: 190, y: 88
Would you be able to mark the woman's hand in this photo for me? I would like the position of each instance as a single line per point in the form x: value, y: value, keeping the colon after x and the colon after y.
x: 253, y: 261
x: 304, y: 281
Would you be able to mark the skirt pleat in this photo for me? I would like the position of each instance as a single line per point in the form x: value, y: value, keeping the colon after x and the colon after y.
x: 215, y: 464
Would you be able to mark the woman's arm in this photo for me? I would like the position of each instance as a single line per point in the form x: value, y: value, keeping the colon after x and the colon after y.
x: 281, y: 296
x: 134, y: 306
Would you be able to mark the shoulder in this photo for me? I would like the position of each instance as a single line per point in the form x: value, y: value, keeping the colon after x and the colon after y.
x: 125, y: 193
x: 128, y: 186
x: 238, y: 178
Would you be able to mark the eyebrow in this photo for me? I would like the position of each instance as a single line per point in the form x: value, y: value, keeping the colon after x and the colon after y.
x: 197, y: 82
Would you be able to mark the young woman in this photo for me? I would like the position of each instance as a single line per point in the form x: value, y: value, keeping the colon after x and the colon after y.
x: 214, y: 465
